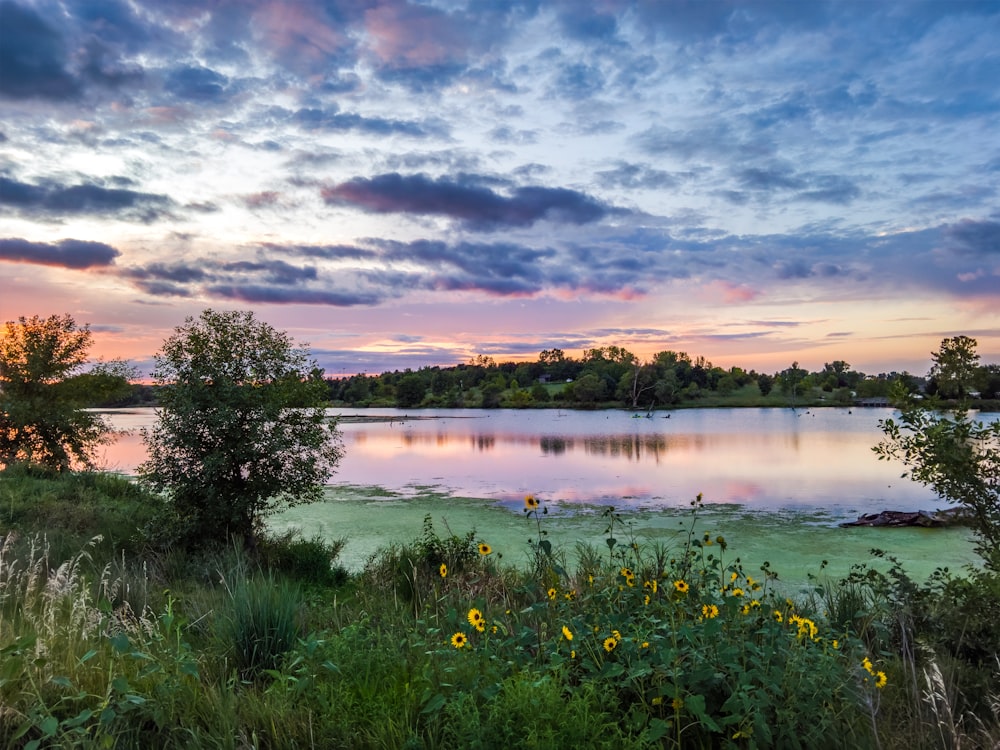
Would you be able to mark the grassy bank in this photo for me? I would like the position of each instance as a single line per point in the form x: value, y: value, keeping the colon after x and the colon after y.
x: 623, y: 641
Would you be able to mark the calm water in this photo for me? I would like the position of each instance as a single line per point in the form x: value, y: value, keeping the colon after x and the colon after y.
x: 776, y: 482
x: 766, y: 459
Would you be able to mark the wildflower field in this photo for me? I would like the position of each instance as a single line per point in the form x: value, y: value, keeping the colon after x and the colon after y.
x: 437, y: 643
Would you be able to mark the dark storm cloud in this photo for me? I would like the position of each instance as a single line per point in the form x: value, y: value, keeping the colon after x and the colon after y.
x: 68, y: 253
x: 53, y: 200
x: 33, y: 57
x: 478, y: 207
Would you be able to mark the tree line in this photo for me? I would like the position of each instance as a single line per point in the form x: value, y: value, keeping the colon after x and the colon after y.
x: 612, y: 376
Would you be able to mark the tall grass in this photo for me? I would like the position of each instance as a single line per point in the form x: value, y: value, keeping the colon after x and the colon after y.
x: 437, y: 644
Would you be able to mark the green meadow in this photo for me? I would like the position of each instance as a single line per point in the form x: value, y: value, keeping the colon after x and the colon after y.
x: 475, y: 626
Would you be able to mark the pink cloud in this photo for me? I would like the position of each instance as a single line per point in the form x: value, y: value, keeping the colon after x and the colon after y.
x: 411, y: 36
x: 729, y: 293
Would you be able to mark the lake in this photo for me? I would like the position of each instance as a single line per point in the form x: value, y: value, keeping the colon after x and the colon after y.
x: 777, y: 480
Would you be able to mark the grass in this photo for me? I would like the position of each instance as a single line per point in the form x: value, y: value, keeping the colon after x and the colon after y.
x: 437, y: 644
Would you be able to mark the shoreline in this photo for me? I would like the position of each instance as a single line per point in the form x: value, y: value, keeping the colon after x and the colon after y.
x: 794, y: 542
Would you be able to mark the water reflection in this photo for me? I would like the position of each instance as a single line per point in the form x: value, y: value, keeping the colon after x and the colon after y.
x: 771, y: 458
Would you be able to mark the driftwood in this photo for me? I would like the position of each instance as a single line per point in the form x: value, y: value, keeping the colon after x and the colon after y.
x: 923, y: 518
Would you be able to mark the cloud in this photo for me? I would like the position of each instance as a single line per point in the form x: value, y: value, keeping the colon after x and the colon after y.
x: 32, y: 57
x: 48, y: 199
x: 330, y: 119
x: 974, y: 237
x: 637, y: 176
x: 68, y: 253
x: 478, y: 207
x: 282, y: 295
x: 198, y: 84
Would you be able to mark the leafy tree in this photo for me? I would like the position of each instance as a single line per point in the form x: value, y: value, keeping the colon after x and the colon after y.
x: 241, y: 430
x: 954, y: 365
x: 43, y: 393
x: 958, y: 457
x: 410, y: 390
x: 765, y: 383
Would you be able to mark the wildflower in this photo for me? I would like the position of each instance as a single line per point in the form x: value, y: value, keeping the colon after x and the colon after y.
x: 443, y: 570
x: 657, y: 700
x: 530, y: 502
x: 476, y: 620
x: 570, y: 595
x: 567, y: 633
x: 552, y: 594
x: 777, y: 615
x: 737, y: 592
x: 485, y: 549
x: 677, y: 703
x: 572, y: 654
x: 745, y: 609
x: 630, y: 580
x: 867, y: 664
x: 610, y: 644
x: 493, y: 630
x: 710, y: 611
x: 681, y: 586
x: 645, y: 644
x: 755, y: 603
x: 646, y: 600
x: 651, y: 585
x: 590, y: 579
x: 459, y: 640
x: 733, y: 576
x: 626, y: 572
x: 880, y: 680
x: 617, y: 635
x: 836, y: 644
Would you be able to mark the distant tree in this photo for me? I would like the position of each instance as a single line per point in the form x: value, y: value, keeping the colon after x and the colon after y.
x: 954, y: 366
x: 241, y: 430
x: 410, y: 390
x: 540, y: 393
x: 589, y: 389
x: 765, y: 383
x: 43, y: 393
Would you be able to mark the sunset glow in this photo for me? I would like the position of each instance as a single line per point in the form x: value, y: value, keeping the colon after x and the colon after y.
x: 401, y: 184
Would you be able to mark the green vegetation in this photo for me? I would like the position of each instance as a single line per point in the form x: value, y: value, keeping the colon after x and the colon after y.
x: 43, y: 393
x: 612, y: 377
x: 241, y: 430
x: 438, y: 644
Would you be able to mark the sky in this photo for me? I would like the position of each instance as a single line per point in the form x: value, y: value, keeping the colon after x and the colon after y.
x: 400, y: 184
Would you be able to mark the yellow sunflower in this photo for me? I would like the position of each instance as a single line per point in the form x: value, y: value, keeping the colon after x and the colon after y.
x: 485, y: 549
x: 476, y: 620
x: 530, y: 502
x: 610, y: 644
x: 681, y: 586
x: 459, y: 640
x: 443, y: 570
x: 567, y: 633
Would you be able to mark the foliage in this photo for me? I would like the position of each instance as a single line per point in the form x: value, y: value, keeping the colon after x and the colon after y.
x: 241, y: 429
x: 959, y: 458
x: 261, y: 624
x: 43, y: 393
x: 690, y: 650
x: 955, y: 365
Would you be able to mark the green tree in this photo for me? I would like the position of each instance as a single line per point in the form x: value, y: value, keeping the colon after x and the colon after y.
x: 241, y: 430
x: 43, y: 393
x: 955, y: 364
x: 957, y: 457
x: 410, y: 390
